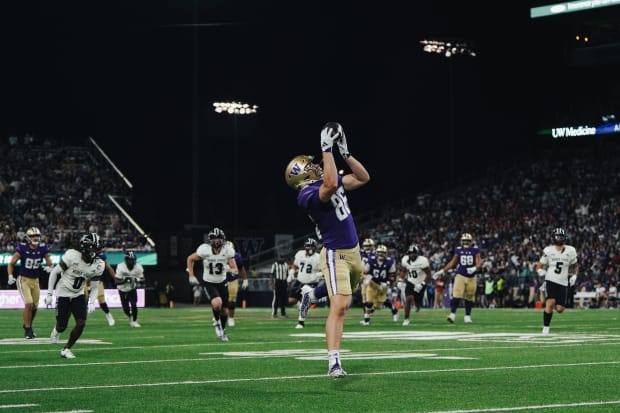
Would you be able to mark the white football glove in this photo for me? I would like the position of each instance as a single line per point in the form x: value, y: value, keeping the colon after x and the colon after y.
x: 541, y: 272
x: 437, y: 274
x: 48, y: 299
x: 193, y: 280
x: 342, y: 145
x: 12, y: 280
x: 48, y: 269
x: 384, y: 286
x: 471, y: 270
x: 418, y: 287
x: 91, y: 308
x: 329, y: 134
x: 572, y: 280
x: 245, y: 284
x: 543, y: 287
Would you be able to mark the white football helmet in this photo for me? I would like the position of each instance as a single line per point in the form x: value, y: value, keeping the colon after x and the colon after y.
x: 382, y: 251
x: 301, y: 172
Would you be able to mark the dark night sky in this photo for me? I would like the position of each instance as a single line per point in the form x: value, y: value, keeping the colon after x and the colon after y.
x: 139, y: 81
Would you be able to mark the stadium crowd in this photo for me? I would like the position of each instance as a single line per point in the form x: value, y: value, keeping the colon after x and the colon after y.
x: 63, y: 190
x: 511, y: 215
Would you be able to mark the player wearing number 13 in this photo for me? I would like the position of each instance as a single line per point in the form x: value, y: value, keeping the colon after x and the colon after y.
x: 322, y: 194
x: 218, y: 258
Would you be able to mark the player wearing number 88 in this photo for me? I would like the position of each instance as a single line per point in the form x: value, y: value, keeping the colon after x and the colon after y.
x: 322, y: 194
x: 467, y: 259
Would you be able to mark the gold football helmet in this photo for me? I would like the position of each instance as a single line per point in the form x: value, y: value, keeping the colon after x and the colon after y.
x: 368, y: 245
x: 301, y: 172
x: 33, y: 235
x: 382, y: 251
x: 467, y: 240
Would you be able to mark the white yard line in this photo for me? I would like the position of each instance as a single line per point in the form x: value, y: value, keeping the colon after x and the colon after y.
x: 309, y: 376
x: 534, y: 407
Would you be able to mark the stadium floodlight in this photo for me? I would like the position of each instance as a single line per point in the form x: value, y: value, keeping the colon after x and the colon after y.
x: 447, y: 48
x: 235, y: 108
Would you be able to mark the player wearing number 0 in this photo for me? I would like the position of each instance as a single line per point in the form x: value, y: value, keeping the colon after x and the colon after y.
x: 415, y: 270
x: 557, y: 265
x: 77, y: 267
x: 217, y: 258
x: 322, y: 194
x: 467, y: 260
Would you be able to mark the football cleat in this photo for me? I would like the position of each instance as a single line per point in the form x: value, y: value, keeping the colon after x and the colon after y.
x: 135, y: 324
x: 218, y: 331
x: 54, y: 336
x: 395, y: 317
x: 231, y: 322
x: 28, y: 333
x: 110, y: 319
x: 451, y: 318
x: 467, y: 319
x: 299, y: 325
x: 66, y: 353
x: 406, y: 322
x: 545, y: 330
x: 365, y: 323
x: 304, y: 303
x: 224, y: 337
x: 336, y: 372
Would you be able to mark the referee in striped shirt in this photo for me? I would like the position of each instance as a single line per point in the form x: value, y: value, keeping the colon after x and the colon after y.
x: 279, y: 274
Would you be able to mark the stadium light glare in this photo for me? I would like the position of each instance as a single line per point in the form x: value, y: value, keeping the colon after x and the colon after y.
x: 235, y: 108
x: 447, y: 48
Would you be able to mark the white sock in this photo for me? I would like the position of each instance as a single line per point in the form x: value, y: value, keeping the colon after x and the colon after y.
x: 334, y: 357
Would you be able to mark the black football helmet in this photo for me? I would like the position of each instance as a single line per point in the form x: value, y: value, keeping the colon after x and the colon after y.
x: 130, y: 259
x: 413, y: 250
x: 559, y: 236
x: 216, y: 237
x: 90, y: 244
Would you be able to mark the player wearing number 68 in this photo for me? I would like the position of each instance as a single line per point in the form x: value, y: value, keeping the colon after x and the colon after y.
x: 322, y: 194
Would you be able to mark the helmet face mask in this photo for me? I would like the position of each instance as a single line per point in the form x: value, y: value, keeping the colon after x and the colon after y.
x: 310, y: 246
x: 467, y: 240
x: 559, y: 236
x: 216, y: 238
x: 301, y: 172
x: 90, y: 245
x: 368, y: 245
x: 381, y: 252
x: 413, y: 250
x: 130, y: 259
x: 33, y: 236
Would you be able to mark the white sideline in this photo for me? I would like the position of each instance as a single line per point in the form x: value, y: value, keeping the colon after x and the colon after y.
x: 13, y: 406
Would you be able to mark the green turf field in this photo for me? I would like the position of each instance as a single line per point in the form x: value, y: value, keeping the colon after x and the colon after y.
x: 174, y: 363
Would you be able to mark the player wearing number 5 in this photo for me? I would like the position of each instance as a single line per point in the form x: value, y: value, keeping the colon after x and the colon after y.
x: 557, y: 265
x: 467, y: 260
x: 322, y: 194
x: 218, y: 258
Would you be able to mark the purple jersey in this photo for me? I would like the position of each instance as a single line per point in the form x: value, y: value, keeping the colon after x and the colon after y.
x: 239, y: 261
x: 379, y: 271
x: 333, y: 219
x: 466, y: 257
x: 31, y: 259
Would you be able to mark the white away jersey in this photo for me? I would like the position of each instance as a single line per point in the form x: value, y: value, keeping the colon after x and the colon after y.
x: 308, y: 269
x: 415, y: 269
x: 215, y: 265
x: 122, y: 272
x: 557, y: 263
x: 73, y: 279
